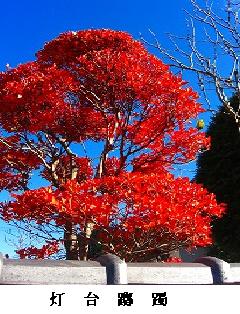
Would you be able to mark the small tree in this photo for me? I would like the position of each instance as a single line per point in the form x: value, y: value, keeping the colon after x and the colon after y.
x: 218, y: 169
x: 102, y: 88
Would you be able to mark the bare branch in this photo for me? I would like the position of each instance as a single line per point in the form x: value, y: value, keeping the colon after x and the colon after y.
x: 211, y: 52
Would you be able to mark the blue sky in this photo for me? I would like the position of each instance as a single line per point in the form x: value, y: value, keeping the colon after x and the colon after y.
x: 26, y: 25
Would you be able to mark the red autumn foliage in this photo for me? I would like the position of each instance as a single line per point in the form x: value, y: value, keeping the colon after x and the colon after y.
x: 43, y: 252
x: 173, y: 260
x: 102, y: 88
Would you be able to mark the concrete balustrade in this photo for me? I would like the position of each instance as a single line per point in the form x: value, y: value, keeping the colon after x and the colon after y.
x: 169, y: 273
x: 110, y: 269
x: 52, y: 272
x: 234, y: 273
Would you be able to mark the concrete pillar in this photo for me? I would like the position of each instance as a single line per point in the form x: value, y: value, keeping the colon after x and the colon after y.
x: 1, y: 264
x: 221, y: 270
x: 116, y: 269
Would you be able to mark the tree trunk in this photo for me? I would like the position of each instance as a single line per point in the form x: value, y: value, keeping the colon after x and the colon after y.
x: 70, y: 236
x: 71, y: 242
x: 84, y: 241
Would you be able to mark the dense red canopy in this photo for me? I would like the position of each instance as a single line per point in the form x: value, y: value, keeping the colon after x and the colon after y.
x: 103, y: 87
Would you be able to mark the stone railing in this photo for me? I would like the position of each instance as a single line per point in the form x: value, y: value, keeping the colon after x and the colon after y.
x: 110, y: 269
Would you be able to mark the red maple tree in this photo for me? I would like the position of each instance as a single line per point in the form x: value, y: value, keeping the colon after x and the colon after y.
x: 102, y: 88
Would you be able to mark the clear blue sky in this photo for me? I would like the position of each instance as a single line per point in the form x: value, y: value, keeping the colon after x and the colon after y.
x: 26, y: 25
